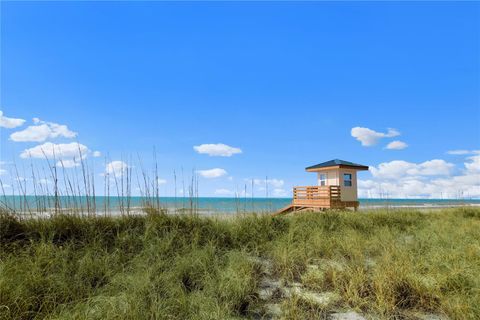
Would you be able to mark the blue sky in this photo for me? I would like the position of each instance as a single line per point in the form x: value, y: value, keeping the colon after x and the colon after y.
x: 283, y: 82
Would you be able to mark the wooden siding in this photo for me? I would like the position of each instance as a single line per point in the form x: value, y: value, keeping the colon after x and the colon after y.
x: 320, y: 197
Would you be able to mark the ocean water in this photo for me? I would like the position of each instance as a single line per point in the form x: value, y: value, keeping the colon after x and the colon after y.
x: 208, y: 205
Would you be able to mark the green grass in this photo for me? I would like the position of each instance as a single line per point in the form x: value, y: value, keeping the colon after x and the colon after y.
x: 382, y: 264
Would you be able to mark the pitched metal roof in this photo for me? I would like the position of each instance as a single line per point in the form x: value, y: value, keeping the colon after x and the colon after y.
x: 338, y: 162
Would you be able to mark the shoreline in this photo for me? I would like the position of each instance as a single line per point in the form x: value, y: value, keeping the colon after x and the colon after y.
x: 207, y: 212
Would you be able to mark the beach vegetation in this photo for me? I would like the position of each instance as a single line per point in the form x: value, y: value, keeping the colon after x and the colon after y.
x: 383, y: 264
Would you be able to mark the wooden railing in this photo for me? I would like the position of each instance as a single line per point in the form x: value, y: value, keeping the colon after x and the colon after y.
x: 316, y: 195
x: 317, y: 192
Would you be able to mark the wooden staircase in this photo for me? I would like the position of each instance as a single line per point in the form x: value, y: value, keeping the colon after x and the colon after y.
x: 294, y: 208
x: 285, y: 209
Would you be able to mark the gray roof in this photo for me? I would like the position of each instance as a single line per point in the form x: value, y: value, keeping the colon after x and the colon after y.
x: 338, y: 162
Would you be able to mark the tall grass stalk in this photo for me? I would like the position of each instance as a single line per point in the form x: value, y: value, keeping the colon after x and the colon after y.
x: 54, y: 188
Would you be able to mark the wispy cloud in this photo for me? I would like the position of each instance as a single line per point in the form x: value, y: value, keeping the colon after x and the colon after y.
x: 369, y: 137
x: 279, y: 192
x: 44, y: 181
x: 217, y: 150
x: 275, y: 183
x: 42, y: 131
x: 116, y: 168
x: 463, y: 152
x: 68, y: 163
x: 58, y: 151
x: 2, y: 171
x: 224, y: 192
x: 396, y: 145
x: 212, y: 173
x: 10, y: 123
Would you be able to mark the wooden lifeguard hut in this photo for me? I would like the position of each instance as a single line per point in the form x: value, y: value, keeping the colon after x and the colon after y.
x: 336, y: 188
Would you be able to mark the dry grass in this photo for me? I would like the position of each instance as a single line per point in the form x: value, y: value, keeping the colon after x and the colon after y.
x: 382, y: 264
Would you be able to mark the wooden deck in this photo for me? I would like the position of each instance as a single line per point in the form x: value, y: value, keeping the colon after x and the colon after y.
x: 317, y: 198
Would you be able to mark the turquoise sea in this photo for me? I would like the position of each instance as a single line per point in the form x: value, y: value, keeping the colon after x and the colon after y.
x: 204, y: 204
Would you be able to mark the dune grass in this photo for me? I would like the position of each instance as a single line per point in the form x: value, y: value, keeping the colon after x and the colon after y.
x: 382, y: 264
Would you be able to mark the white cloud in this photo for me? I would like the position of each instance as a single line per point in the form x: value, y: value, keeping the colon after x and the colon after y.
x: 2, y: 171
x: 116, y: 168
x: 434, y: 167
x: 279, y: 192
x: 224, y: 192
x: 68, y: 155
x: 276, y: 183
x: 10, y: 123
x: 161, y: 181
x: 398, y: 169
x: 212, y: 173
x: 474, y: 165
x: 68, y: 163
x: 467, y: 185
x: 463, y: 152
x: 429, y: 179
x: 405, y: 188
x: 42, y: 131
x: 96, y: 154
x: 217, y: 150
x: 452, y: 187
x: 369, y: 137
x: 44, y: 181
x: 396, y: 145
x: 51, y: 150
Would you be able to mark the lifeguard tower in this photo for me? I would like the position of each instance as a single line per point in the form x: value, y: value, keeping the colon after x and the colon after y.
x: 336, y: 188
